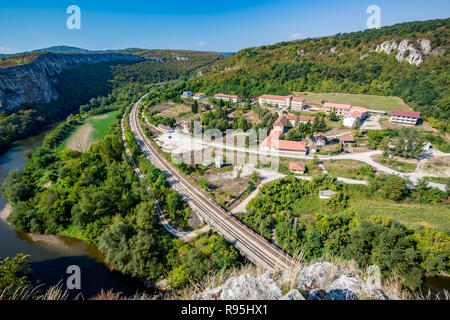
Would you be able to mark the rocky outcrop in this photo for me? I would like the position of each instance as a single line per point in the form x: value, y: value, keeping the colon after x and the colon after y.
x: 319, y: 281
x: 413, y: 52
x: 244, y: 287
x: 32, y: 82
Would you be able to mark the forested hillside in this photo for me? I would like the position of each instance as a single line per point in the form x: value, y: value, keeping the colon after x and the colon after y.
x: 78, y: 86
x: 181, y: 60
x: 349, y: 63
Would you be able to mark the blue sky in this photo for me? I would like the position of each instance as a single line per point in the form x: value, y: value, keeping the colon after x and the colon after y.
x: 223, y: 26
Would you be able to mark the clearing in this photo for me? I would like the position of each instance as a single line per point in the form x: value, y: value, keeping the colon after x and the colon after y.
x: 412, y: 214
x: 367, y: 101
x: 92, y: 129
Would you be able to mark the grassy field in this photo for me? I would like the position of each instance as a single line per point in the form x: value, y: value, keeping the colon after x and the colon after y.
x: 412, y: 214
x: 92, y: 129
x: 344, y: 168
x: 370, y: 102
x: 395, y: 164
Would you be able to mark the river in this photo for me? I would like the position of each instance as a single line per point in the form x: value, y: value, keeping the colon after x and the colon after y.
x: 52, y: 255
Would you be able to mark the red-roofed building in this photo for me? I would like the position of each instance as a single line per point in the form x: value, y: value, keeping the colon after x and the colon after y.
x: 339, y: 109
x: 290, y: 101
x: 199, y: 96
x: 272, y: 143
x: 226, y: 97
x: 297, y: 167
x: 405, y: 117
x: 288, y: 121
x: 348, y: 138
x: 354, y: 115
x: 320, y: 139
x: 305, y: 119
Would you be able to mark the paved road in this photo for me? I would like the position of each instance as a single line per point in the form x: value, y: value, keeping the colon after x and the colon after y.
x: 248, y: 242
x: 362, y: 156
x: 182, y: 235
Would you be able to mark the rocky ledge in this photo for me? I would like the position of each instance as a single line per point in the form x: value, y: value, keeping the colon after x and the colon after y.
x: 319, y: 281
x: 32, y: 82
x: 413, y: 52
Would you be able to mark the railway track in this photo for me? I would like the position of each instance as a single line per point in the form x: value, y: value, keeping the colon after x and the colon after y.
x: 249, y: 243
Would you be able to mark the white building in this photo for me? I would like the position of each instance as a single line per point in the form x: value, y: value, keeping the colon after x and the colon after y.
x: 199, y: 96
x: 186, y: 94
x: 226, y: 97
x: 405, y: 117
x: 291, y: 101
x: 326, y: 194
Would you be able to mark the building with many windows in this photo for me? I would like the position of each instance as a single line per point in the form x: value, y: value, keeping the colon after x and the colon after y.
x: 291, y: 101
x: 226, y: 97
x: 405, y: 117
x: 199, y: 96
x: 287, y: 121
x: 339, y: 108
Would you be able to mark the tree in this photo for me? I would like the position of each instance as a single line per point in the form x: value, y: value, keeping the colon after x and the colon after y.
x: 391, y: 187
x: 332, y: 116
x: 408, y: 144
x: 12, y: 278
x: 13, y: 188
x: 357, y: 124
x: 194, y: 107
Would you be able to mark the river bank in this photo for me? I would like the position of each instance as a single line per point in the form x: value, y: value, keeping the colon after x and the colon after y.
x: 51, y: 255
x: 5, y: 212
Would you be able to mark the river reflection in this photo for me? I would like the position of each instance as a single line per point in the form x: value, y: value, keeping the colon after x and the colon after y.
x: 50, y: 254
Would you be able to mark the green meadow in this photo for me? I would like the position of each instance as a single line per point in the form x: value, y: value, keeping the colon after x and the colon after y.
x: 92, y: 129
x: 367, y: 101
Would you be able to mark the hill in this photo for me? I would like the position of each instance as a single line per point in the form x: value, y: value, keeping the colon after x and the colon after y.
x: 409, y: 60
x: 183, y: 60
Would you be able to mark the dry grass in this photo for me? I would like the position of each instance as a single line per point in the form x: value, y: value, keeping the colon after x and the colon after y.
x: 26, y: 293
x: 212, y: 281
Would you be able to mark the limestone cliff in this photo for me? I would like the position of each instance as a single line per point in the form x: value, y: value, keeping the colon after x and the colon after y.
x: 32, y: 82
x: 319, y: 281
x: 414, y: 52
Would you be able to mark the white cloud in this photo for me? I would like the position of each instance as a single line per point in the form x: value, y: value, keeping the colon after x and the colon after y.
x: 5, y: 50
x: 201, y: 43
x: 295, y: 36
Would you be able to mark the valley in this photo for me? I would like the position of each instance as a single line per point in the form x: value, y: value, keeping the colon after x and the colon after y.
x: 178, y: 169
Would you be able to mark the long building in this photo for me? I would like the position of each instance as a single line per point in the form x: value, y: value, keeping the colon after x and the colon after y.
x: 290, y: 101
x: 405, y: 117
x: 339, y: 108
x: 286, y: 121
x: 226, y: 97
x: 273, y: 143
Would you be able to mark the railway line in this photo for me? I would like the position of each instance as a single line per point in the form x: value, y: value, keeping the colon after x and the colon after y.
x: 249, y: 243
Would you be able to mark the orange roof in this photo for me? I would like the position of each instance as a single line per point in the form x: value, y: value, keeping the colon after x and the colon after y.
x: 200, y: 94
x: 347, y: 138
x: 404, y: 113
x: 360, y: 109
x: 289, y: 145
x: 306, y: 118
x: 280, y: 122
x: 274, y: 97
x: 225, y: 95
x: 355, y: 114
x: 337, y: 105
x: 273, y: 135
x: 272, y: 141
x: 296, y: 166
